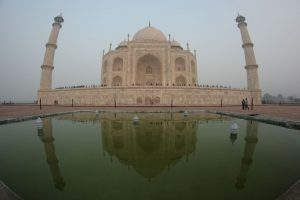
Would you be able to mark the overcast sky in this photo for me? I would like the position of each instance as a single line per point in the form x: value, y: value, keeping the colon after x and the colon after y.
x: 209, y: 27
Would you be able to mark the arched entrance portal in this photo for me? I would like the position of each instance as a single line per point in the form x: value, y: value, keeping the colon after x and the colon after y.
x: 148, y: 71
x: 180, y: 81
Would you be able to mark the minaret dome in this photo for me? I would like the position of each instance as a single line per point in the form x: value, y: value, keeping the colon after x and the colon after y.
x: 59, y: 19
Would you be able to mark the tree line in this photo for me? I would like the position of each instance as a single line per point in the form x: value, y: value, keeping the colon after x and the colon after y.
x: 280, y: 99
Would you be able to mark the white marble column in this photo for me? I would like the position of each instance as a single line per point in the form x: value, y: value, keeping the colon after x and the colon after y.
x: 251, y: 66
x: 47, y: 67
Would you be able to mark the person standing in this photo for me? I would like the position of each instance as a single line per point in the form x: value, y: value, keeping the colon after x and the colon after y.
x: 243, y: 104
x: 246, y: 104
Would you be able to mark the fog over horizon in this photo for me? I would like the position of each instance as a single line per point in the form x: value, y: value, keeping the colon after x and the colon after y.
x: 90, y: 26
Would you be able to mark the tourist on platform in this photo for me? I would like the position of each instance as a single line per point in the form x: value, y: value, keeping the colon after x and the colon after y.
x: 246, y: 104
x: 243, y: 104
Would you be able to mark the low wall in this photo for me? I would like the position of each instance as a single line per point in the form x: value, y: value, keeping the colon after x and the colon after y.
x: 143, y: 96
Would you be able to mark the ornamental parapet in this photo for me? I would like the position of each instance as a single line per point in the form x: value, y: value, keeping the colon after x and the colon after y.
x: 242, y: 23
x: 51, y: 45
x: 248, y: 44
x: 57, y: 24
x: 251, y: 66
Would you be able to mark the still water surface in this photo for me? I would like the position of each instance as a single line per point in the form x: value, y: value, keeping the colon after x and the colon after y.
x: 165, y: 156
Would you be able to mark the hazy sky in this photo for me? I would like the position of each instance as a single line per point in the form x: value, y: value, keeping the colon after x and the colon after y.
x: 209, y: 27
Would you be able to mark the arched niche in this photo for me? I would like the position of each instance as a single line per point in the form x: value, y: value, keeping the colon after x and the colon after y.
x: 193, y: 66
x: 104, y: 67
x: 118, y: 64
x: 156, y: 100
x: 139, y: 100
x: 117, y: 81
x: 180, y: 81
x: 148, y: 100
x: 104, y: 80
x: 179, y: 64
x: 148, y: 71
x: 194, y: 81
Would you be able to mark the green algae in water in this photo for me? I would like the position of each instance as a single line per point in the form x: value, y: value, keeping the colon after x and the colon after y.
x: 163, y: 156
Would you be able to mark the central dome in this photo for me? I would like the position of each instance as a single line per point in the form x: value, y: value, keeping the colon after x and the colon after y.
x: 149, y: 34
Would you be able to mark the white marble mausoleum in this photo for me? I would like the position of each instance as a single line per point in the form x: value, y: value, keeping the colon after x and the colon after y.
x: 148, y: 70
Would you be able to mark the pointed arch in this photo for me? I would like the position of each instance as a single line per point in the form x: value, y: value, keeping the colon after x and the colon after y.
x: 139, y: 100
x: 118, y: 64
x: 156, y: 100
x: 193, y: 66
x: 104, y: 67
x: 148, y: 70
x: 180, y: 81
x: 194, y: 81
x: 104, y: 80
x: 148, y: 101
x: 117, y: 81
x: 180, y: 64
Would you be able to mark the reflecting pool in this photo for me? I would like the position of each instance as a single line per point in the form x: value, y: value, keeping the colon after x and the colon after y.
x: 161, y: 156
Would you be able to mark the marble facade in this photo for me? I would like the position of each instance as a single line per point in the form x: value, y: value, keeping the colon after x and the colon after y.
x: 148, y: 70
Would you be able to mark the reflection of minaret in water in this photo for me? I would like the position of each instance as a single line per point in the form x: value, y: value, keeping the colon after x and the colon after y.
x: 52, y: 161
x: 251, y: 140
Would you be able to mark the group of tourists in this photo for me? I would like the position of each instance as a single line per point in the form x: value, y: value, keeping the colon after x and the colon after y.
x: 245, y: 105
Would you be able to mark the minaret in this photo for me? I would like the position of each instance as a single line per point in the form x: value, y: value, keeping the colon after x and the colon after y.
x: 47, y: 67
x: 251, y: 66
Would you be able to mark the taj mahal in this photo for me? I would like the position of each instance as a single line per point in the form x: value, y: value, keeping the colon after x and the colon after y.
x: 148, y: 70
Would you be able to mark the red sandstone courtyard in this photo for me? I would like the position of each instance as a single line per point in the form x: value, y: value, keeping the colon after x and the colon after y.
x: 291, y: 113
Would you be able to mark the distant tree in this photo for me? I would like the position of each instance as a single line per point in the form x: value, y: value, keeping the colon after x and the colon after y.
x: 267, y: 98
x: 291, y: 98
x: 280, y: 98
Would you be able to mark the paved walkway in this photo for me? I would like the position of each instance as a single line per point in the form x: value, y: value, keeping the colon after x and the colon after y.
x: 7, y: 194
x: 291, y: 113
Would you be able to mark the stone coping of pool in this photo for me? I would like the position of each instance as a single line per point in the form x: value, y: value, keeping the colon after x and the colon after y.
x: 287, y: 123
x: 7, y: 194
x: 293, y: 193
x: 24, y: 118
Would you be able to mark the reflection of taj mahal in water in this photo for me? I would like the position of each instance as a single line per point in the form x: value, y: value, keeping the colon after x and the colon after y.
x: 150, y: 147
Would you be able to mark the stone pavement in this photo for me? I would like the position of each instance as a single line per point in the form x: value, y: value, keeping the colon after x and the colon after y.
x: 291, y: 113
x: 291, y: 194
x: 7, y: 194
